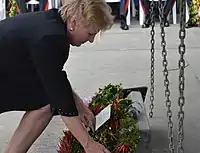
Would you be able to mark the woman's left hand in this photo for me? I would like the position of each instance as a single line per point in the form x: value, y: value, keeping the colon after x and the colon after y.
x: 86, y: 116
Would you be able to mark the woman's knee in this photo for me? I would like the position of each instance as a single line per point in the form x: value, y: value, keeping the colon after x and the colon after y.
x: 45, y: 109
x: 42, y: 112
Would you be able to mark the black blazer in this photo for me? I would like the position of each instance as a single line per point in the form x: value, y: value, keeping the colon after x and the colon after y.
x: 33, y: 50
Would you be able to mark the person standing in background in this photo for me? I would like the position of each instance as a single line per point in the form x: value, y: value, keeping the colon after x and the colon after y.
x: 146, y: 7
x: 23, y: 7
x: 123, y: 14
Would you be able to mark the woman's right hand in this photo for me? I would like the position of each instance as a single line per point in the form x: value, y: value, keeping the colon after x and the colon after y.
x: 76, y: 127
x: 93, y: 146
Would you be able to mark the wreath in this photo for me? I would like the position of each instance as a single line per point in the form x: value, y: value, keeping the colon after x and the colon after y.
x: 195, y: 12
x: 119, y: 134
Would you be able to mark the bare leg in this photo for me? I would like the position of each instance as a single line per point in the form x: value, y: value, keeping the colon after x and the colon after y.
x: 29, y: 129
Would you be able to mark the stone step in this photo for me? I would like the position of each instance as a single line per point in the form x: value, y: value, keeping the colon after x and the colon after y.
x: 142, y: 122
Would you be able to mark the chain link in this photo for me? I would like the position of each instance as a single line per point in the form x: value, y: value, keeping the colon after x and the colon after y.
x: 181, y: 64
x: 152, y: 58
x: 166, y: 81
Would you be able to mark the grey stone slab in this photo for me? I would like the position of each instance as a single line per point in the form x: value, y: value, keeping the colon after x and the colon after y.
x: 193, y: 57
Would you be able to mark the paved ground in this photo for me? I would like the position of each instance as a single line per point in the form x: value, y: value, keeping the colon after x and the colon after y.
x: 123, y: 57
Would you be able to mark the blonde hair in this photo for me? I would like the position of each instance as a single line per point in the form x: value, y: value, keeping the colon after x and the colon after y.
x: 91, y: 12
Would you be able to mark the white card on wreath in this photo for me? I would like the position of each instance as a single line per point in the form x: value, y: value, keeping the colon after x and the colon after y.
x: 103, y: 116
x: 199, y: 11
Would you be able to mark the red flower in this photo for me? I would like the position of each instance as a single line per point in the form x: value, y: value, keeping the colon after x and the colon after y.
x: 116, y: 104
x: 66, y: 142
x: 92, y: 109
x: 117, y: 124
x: 97, y: 109
x: 123, y: 148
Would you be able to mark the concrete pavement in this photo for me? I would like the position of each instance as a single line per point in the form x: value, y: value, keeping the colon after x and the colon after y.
x: 124, y: 57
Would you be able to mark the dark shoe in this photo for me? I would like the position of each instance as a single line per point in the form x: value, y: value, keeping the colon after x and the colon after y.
x: 146, y: 23
x: 124, y: 26
x: 189, y: 24
x: 137, y: 15
x: 166, y: 22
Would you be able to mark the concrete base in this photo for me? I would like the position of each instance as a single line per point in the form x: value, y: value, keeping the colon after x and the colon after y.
x: 142, y: 123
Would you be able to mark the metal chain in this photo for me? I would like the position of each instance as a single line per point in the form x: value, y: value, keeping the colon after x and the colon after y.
x: 152, y: 58
x: 181, y: 64
x: 166, y: 82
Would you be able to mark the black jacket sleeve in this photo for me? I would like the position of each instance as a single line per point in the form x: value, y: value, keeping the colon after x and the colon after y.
x: 49, y: 55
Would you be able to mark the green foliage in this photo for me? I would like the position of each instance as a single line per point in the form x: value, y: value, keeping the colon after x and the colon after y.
x: 194, y: 11
x: 107, y: 95
x: 13, y: 8
x: 119, y: 133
